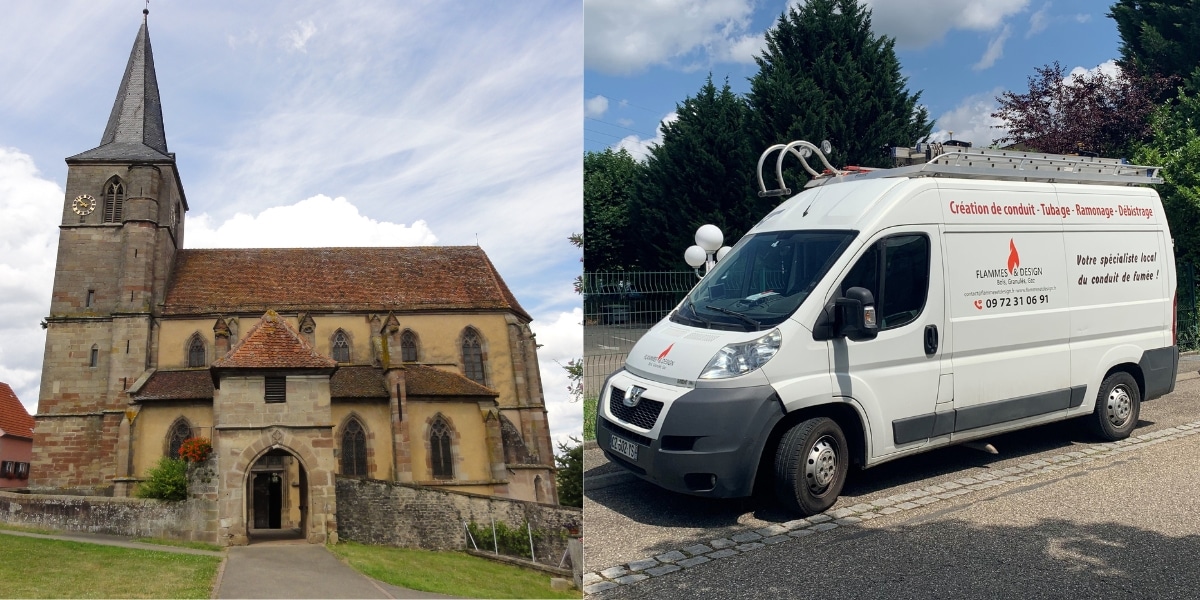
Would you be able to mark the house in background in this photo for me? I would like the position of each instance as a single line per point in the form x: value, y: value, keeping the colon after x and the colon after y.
x: 16, y: 440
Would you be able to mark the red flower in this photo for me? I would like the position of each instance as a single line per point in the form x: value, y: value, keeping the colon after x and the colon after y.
x: 195, y: 449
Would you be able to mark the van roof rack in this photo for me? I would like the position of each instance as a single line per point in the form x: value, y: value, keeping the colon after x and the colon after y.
x: 963, y: 162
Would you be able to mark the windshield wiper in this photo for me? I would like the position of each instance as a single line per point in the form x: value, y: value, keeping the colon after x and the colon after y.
x: 756, y: 324
x: 700, y: 319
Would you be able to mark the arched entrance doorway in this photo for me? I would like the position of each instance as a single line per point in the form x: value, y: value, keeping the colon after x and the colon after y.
x: 277, y: 497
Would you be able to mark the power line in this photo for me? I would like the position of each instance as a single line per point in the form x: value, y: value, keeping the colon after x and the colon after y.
x: 623, y: 103
x: 642, y: 133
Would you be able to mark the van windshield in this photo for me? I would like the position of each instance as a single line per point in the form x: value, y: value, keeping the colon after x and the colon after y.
x: 762, y: 280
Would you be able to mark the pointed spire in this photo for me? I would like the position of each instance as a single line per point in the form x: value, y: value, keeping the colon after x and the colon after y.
x: 135, y: 126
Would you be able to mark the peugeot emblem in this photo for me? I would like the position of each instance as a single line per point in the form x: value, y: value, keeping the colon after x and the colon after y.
x: 634, y: 396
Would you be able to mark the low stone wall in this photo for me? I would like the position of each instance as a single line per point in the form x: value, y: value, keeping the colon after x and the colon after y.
x: 194, y: 519
x: 412, y: 516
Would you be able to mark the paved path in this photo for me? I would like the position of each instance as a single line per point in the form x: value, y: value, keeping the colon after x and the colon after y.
x: 267, y: 570
x: 1119, y: 523
x: 1080, y: 495
x: 298, y: 570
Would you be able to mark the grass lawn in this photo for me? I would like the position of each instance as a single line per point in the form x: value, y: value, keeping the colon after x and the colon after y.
x: 452, y: 573
x: 38, y: 568
x: 589, y: 418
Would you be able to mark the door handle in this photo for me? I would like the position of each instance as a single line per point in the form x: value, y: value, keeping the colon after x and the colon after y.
x: 931, y: 340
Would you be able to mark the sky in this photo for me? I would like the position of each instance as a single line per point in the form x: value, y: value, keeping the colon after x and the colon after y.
x: 313, y: 123
x: 643, y: 58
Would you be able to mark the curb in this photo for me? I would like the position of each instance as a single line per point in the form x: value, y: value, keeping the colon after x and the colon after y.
x: 751, y: 539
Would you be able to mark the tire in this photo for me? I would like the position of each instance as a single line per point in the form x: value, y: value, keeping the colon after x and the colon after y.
x: 1117, y: 407
x: 810, y: 466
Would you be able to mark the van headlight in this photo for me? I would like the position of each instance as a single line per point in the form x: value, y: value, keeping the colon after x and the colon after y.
x: 739, y: 359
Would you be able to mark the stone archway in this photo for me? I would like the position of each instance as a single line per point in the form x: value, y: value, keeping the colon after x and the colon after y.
x: 241, y: 455
x: 276, y: 497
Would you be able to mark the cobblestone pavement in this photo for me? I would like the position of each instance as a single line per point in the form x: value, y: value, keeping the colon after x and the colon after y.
x: 748, y: 541
x: 636, y: 515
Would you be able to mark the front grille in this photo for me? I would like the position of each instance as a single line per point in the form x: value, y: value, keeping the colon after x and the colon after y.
x: 632, y: 436
x: 643, y: 415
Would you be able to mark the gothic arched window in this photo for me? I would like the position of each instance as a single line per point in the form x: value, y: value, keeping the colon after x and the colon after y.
x: 472, y: 355
x: 180, y: 432
x: 440, y: 456
x: 114, y: 200
x: 354, y: 449
x: 341, y: 346
x: 408, y: 346
x: 196, y: 351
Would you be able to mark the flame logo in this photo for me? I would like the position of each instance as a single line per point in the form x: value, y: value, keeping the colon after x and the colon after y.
x: 665, y: 352
x: 1014, y: 259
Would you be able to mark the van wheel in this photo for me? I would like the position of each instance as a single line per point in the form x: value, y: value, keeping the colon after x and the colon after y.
x: 810, y: 466
x: 1117, y: 407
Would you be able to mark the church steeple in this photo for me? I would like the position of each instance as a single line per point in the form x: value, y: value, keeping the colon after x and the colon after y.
x: 135, y: 126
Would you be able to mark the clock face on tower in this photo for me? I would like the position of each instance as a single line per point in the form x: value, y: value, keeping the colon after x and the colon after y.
x: 83, y: 204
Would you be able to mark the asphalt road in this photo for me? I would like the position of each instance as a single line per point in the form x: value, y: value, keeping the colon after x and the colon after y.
x: 1086, y: 526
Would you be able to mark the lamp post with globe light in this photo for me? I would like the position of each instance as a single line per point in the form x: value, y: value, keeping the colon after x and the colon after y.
x: 708, y: 249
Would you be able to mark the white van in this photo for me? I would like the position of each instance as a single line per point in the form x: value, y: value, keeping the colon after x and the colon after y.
x: 881, y: 314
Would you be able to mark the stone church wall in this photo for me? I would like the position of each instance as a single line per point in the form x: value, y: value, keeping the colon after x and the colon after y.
x: 411, y: 516
x: 194, y: 519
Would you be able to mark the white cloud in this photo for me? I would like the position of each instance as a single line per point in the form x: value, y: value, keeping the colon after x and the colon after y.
x: 1108, y: 67
x: 972, y: 120
x: 32, y: 207
x: 640, y: 148
x: 995, y: 50
x: 623, y: 37
x: 561, y: 338
x: 297, y: 38
x: 1038, y: 21
x: 918, y: 23
x: 316, y: 222
x: 595, y: 106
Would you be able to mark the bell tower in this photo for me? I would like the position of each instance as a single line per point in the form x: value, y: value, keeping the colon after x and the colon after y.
x: 122, y: 223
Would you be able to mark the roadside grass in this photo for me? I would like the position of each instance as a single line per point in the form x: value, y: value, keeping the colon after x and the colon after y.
x: 182, y: 544
x: 40, y: 568
x: 589, y: 418
x: 451, y: 573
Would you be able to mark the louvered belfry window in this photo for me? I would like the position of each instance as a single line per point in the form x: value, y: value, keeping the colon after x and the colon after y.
x: 114, y: 201
x: 276, y: 389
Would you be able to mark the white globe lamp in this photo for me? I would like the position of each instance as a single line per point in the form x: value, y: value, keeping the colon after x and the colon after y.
x: 722, y: 252
x: 709, y: 237
x: 695, y: 256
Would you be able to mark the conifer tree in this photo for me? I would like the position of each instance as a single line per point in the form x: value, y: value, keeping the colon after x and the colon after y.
x: 702, y: 172
x: 825, y: 76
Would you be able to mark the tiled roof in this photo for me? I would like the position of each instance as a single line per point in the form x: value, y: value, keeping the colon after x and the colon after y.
x: 14, y: 419
x: 329, y: 279
x: 357, y: 382
x: 421, y: 380
x: 135, y: 126
x: 272, y: 343
x: 177, y: 385
x: 348, y: 382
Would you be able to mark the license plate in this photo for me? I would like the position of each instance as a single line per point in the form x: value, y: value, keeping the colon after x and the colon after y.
x: 625, y: 448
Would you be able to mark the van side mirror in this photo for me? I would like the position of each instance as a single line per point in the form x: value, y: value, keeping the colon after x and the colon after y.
x: 855, y: 316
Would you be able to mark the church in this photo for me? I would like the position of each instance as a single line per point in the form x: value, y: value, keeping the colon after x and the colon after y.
x: 414, y: 365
